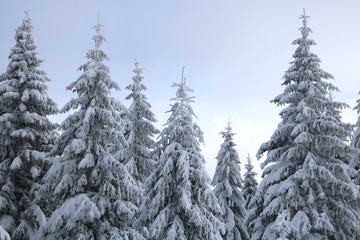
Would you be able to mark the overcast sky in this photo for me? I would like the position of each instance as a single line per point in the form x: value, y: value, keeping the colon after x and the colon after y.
x: 234, y: 52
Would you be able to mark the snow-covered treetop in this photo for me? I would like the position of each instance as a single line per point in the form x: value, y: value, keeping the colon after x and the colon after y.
x: 98, y: 38
x: 305, y: 31
x: 138, y: 71
x: 182, y: 113
x: 95, y: 79
x: 137, y: 86
x: 26, y: 26
x: 228, y: 134
x: 181, y: 94
x: 249, y: 184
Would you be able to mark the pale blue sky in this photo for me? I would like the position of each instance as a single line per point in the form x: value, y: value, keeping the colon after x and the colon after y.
x: 235, y: 53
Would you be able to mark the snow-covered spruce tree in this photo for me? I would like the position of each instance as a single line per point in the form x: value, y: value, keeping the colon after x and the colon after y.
x: 92, y: 192
x: 26, y: 135
x: 355, y: 142
x: 250, y: 184
x: 306, y: 176
x: 227, y: 188
x: 140, y: 131
x: 179, y: 202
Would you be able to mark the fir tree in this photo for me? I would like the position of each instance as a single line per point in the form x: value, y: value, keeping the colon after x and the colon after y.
x: 26, y: 135
x: 306, y: 176
x: 227, y: 182
x: 92, y: 192
x: 140, y: 131
x: 249, y: 184
x: 179, y: 203
x: 355, y: 142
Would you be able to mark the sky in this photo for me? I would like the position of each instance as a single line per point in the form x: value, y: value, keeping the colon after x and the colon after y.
x: 235, y: 53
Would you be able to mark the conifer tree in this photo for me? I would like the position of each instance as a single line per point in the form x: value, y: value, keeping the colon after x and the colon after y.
x: 140, y: 131
x: 227, y: 185
x: 249, y: 184
x: 355, y: 142
x: 306, y: 176
x: 26, y: 135
x: 93, y: 193
x: 179, y: 203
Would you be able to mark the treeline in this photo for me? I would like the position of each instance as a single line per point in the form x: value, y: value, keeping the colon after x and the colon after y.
x: 100, y: 174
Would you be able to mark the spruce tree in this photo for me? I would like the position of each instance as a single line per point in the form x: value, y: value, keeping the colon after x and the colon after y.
x: 26, y: 135
x: 227, y: 185
x: 93, y: 193
x: 306, y: 182
x: 355, y: 142
x: 140, y: 131
x: 249, y: 184
x: 179, y: 202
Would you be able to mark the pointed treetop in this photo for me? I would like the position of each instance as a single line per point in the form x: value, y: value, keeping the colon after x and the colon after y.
x: 136, y: 63
x: 248, y: 159
x: 183, y: 79
x: 98, y: 28
x: 27, y: 18
x: 228, y: 127
x: 181, y: 93
x: 304, y: 18
x: 305, y: 30
x: 98, y: 37
x: 27, y: 13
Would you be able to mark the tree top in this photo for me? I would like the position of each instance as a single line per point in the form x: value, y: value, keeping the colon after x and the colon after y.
x: 99, y: 39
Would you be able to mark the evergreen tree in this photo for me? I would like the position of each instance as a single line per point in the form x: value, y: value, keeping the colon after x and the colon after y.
x: 355, y: 142
x: 306, y: 176
x: 26, y: 135
x: 92, y: 192
x: 179, y: 203
x: 249, y: 184
x: 227, y: 182
x: 140, y: 131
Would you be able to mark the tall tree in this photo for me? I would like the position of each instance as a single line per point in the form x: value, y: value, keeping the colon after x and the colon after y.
x: 249, y: 184
x: 227, y: 185
x: 306, y: 181
x: 179, y: 203
x: 26, y: 135
x: 140, y: 131
x: 92, y: 192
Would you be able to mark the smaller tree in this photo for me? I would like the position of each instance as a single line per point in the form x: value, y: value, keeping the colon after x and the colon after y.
x: 179, y: 203
x: 140, y: 131
x: 249, y: 184
x: 227, y: 182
